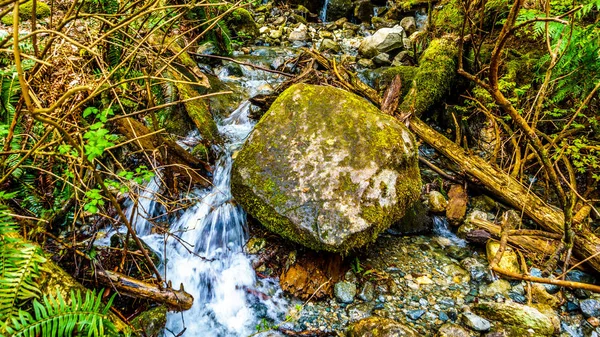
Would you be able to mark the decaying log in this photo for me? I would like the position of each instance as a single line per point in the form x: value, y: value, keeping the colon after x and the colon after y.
x: 176, y: 300
x: 180, y: 161
x: 391, y: 97
x: 587, y: 244
x: 533, y: 244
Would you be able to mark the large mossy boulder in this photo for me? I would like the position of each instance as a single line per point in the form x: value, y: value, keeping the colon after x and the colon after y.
x: 326, y: 169
x: 26, y: 12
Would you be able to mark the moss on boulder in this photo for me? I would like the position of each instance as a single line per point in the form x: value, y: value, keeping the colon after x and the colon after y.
x: 380, y: 327
x: 434, y: 78
x: 152, y: 322
x: 26, y: 10
x: 326, y: 169
x: 242, y: 23
x: 519, y: 316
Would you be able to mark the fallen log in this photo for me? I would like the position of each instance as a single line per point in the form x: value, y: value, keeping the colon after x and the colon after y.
x: 176, y: 300
x: 587, y: 244
x: 531, y: 244
x: 182, y: 163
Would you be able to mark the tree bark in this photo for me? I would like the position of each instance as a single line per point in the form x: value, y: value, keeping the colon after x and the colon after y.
x: 587, y: 244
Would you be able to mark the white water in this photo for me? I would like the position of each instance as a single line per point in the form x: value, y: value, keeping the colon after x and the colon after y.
x: 440, y: 228
x: 204, y: 250
x: 323, y: 14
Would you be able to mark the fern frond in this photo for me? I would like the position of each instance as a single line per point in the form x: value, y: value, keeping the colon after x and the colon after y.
x: 54, y: 317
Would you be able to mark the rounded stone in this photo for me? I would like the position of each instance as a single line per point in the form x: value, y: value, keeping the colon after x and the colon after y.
x: 325, y: 168
x: 345, y: 291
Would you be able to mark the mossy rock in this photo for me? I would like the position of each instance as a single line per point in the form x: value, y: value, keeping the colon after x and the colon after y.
x: 151, y: 322
x: 26, y: 10
x: 448, y: 16
x: 326, y: 169
x: 434, y: 78
x: 380, y: 327
x: 242, y: 23
x: 518, y: 316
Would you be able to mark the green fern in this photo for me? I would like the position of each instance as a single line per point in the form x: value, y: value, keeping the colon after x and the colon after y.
x: 54, y: 317
x: 19, y: 267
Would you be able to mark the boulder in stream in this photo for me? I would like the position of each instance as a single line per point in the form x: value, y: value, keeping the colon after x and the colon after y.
x: 384, y: 40
x: 380, y: 327
x: 326, y: 169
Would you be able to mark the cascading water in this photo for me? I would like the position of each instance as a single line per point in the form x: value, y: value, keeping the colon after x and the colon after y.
x: 440, y: 228
x: 323, y: 14
x: 204, y: 250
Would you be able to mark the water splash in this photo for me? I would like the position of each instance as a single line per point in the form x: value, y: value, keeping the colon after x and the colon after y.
x: 440, y: 228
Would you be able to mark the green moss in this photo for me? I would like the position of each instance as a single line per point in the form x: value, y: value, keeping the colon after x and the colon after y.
x: 299, y: 18
x: 407, y: 74
x: 434, y: 78
x: 26, y: 10
x: 268, y: 190
x: 151, y: 322
x: 242, y: 23
x: 449, y: 17
x: 199, y: 113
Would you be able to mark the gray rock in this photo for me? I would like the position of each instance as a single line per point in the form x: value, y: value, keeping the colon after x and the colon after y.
x: 475, y: 322
x: 380, y: 327
x: 437, y: 202
x: 326, y: 169
x: 344, y: 292
x: 384, y: 40
x: 497, y: 287
x: 409, y: 24
x: 329, y: 45
x: 359, y: 311
x: 367, y: 292
x: 518, y: 315
x: 299, y: 34
x: 415, y: 314
x: 403, y: 58
x: 590, y: 307
x: 382, y: 60
x: 452, y: 330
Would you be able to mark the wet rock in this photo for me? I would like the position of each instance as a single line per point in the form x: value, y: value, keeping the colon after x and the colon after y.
x: 366, y: 63
x: 458, y: 274
x: 409, y: 24
x: 452, y: 330
x: 475, y: 268
x: 300, y: 33
x: 483, y: 203
x: 540, y: 295
x: 457, y: 204
x: 339, y: 9
x: 415, y: 221
x: 517, y: 315
x: 475, y: 322
x: 326, y: 182
x: 311, y: 276
x: 276, y: 34
x: 415, y: 314
x: 364, y: 11
x: 403, y: 58
x: 345, y: 291
x: 380, y: 327
x: 384, y: 40
x: 382, y: 60
x: 509, y: 260
x: 151, y: 322
x: 367, y: 292
x: 255, y: 245
x: 437, y: 202
x: 590, y: 307
x: 497, y: 287
x: 579, y: 276
x: 242, y: 23
x: 330, y: 46
x: 359, y: 311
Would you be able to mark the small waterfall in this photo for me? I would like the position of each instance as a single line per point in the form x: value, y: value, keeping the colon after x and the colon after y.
x: 440, y: 228
x: 323, y: 14
x: 145, y: 208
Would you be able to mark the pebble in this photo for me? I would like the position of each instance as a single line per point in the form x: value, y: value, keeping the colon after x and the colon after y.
x: 415, y: 314
x: 475, y: 322
x: 345, y: 292
x: 590, y: 307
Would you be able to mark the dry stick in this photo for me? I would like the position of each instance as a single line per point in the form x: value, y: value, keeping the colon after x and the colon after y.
x: 33, y: 111
x: 561, y: 283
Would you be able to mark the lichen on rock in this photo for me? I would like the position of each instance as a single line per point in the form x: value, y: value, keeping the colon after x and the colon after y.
x: 326, y: 169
